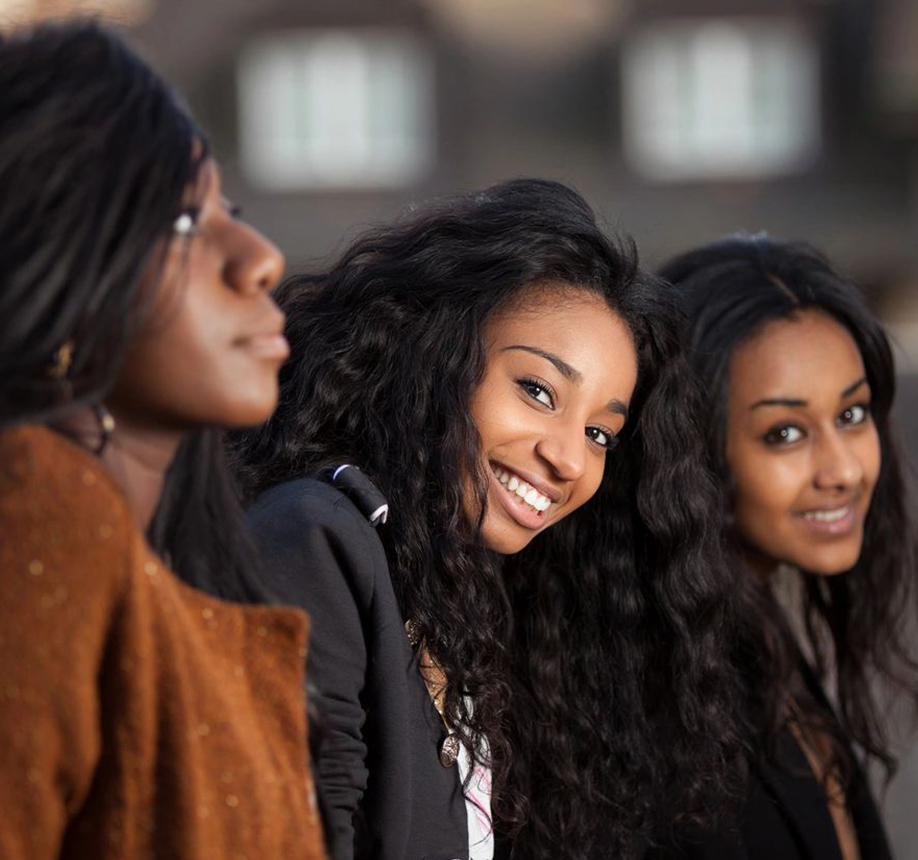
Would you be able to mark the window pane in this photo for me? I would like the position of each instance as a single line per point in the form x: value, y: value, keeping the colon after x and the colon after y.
x: 336, y: 109
x: 720, y: 99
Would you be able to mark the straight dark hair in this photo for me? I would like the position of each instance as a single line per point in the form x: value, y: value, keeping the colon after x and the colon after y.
x: 607, y: 634
x: 96, y: 156
x: 855, y: 624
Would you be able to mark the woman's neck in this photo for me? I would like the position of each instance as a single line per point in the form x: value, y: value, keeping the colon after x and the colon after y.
x: 136, y: 456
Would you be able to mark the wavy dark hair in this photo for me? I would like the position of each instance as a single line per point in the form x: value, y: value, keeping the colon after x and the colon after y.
x: 854, y: 623
x: 96, y: 155
x: 607, y: 634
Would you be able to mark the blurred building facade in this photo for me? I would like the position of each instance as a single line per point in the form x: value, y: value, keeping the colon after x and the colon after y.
x: 680, y: 121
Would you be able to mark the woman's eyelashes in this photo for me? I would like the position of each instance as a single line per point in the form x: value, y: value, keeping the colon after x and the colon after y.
x: 854, y: 415
x: 605, y: 439
x: 186, y: 224
x: 788, y: 434
x: 541, y: 392
x: 783, y: 434
x: 538, y: 390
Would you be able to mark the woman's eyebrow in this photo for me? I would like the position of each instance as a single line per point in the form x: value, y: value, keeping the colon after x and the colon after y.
x: 794, y: 401
x: 569, y: 373
x: 616, y: 407
x: 854, y: 387
x: 778, y: 401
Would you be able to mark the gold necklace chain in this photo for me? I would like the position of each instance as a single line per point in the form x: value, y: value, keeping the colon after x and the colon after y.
x: 435, y: 680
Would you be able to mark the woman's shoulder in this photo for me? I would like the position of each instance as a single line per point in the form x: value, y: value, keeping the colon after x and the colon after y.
x: 35, y: 457
x: 312, y: 503
x: 69, y: 551
x: 312, y: 537
x: 61, y: 513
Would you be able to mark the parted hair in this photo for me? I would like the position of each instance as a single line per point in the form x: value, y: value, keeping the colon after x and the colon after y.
x: 855, y: 623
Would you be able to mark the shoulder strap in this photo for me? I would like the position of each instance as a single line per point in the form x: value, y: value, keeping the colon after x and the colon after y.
x: 362, y: 492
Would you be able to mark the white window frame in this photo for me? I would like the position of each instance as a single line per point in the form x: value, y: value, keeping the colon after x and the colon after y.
x: 326, y: 78
x: 713, y: 129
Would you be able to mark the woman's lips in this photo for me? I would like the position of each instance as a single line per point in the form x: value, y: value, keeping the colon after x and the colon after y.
x: 271, y: 346
x: 838, y: 521
x: 514, y: 505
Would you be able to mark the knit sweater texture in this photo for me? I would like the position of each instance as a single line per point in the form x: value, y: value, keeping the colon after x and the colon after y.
x: 139, y: 718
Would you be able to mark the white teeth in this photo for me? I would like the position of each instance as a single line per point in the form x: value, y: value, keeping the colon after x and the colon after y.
x: 540, y: 503
x: 527, y: 495
x: 828, y: 516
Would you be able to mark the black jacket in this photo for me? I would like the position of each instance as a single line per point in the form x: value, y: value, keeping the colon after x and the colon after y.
x: 785, y: 817
x: 389, y: 797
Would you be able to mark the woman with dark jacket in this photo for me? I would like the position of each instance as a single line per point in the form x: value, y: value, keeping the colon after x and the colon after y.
x: 522, y: 590
x: 800, y: 381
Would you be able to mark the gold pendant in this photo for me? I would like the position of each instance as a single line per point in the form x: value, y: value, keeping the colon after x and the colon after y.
x: 449, y: 750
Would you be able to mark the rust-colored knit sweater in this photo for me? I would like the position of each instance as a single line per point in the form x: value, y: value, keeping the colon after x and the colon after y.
x: 139, y: 718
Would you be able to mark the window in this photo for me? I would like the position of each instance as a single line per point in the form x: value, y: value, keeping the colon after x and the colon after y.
x: 733, y: 98
x: 330, y: 108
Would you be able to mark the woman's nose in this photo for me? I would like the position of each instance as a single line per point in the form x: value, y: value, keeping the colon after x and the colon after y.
x: 564, y: 449
x: 838, y: 466
x: 255, y: 263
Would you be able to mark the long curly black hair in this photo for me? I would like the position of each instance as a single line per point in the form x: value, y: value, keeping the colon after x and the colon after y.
x: 593, y: 661
x: 855, y: 623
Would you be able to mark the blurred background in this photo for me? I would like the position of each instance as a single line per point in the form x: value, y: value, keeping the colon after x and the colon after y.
x: 679, y: 120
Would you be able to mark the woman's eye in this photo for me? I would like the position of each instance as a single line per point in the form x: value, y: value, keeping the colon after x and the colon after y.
x: 601, y: 437
x: 853, y: 415
x: 538, y: 392
x: 187, y: 222
x: 787, y: 434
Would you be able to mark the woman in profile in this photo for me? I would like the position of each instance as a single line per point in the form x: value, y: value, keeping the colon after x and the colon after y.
x: 801, y: 382
x: 140, y: 717
x: 519, y: 595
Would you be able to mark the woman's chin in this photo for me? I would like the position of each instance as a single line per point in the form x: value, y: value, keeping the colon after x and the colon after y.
x: 505, y: 538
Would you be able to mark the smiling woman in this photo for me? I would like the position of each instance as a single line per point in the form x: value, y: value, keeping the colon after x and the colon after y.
x: 513, y: 385
x: 801, y: 381
x: 802, y: 447
x: 546, y: 422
